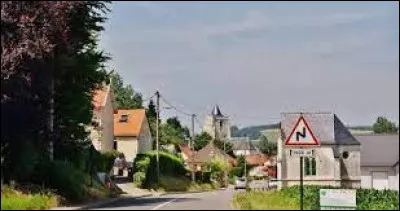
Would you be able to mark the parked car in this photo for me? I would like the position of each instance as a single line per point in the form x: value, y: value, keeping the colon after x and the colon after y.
x: 240, y: 183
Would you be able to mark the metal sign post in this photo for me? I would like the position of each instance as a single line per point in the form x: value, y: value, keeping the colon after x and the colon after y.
x: 301, y: 183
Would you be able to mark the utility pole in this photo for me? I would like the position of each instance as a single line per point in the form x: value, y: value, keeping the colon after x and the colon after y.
x: 192, y: 145
x: 245, y: 165
x: 157, y: 136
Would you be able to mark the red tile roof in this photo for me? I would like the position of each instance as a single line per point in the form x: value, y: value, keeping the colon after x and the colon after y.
x: 133, y: 125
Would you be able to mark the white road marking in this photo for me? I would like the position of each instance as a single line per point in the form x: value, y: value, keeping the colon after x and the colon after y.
x: 163, y: 204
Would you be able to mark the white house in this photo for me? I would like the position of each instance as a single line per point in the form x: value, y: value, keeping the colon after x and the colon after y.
x: 337, y: 159
x: 379, y: 161
x: 132, y: 133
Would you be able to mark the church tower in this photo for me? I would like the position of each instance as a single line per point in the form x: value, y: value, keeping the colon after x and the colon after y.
x: 217, y: 125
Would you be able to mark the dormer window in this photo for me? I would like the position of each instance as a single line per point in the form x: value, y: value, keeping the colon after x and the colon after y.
x: 124, y: 118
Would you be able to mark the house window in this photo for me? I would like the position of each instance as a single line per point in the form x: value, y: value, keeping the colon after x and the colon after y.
x: 124, y: 118
x: 220, y: 124
x: 310, y: 166
x: 345, y: 154
x: 115, y: 145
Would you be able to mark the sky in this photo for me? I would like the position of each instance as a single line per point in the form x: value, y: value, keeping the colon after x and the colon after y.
x: 258, y: 59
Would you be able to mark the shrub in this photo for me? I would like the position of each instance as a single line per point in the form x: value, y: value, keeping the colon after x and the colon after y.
x: 63, y: 177
x: 139, y: 178
x: 170, y: 165
x: 217, y: 168
x: 105, y: 160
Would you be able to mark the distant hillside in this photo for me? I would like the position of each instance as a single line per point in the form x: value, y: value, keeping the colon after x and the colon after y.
x: 361, y: 128
x: 254, y: 131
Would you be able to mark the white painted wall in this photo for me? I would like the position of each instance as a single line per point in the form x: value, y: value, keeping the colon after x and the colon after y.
x: 128, y: 146
x: 367, y: 172
x: 244, y: 152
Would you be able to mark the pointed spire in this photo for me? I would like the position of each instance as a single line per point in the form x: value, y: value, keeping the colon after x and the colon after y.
x: 216, y: 111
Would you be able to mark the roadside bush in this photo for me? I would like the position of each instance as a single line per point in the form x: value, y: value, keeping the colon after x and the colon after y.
x: 105, y: 160
x: 139, y: 178
x: 63, y: 177
x: 217, y: 168
x: 170, y: 165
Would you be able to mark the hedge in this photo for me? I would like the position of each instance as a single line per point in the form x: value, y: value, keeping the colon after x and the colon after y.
x: 146, y: 164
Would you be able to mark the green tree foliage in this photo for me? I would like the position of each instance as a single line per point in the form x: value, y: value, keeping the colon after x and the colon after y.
x: 238, y: 170
x: 265, y: 146
x: 383, y: 125
x: 228, y: 146
x: 172, y: 132
x: 34, y: 56
x: 125, y: 96
x: 201, y: 140
x: 145, y: 168
x: 218, y: 166
x: 151, y: 114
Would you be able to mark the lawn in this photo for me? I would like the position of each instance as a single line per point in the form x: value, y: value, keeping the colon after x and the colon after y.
x: 264, y: 201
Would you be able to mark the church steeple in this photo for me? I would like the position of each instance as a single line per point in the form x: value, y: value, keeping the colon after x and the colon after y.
x: 216, y: 111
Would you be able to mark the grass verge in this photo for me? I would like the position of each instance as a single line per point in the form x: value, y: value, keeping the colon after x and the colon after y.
x: 12, y: 199
x: 288, y: 199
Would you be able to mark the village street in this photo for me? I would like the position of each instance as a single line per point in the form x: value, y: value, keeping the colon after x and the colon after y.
x: 214, y: 200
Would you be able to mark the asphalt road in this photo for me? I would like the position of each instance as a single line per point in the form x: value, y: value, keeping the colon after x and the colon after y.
x: 215, y: 200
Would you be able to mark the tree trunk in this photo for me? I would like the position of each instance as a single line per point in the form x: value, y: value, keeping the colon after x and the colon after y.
x: 51, y: 118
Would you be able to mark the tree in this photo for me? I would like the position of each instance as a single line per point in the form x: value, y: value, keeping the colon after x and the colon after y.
x: 201, y: 140
x: 151, y: 114
x: 151, y: 110
x: 49, y: 69
x: 383, y: 125
x: 238, y: 171
x: 218, y: 166
x: 265, y: 146
x: 125, y: 96
x: 228, y: 146
x: 172, y: 132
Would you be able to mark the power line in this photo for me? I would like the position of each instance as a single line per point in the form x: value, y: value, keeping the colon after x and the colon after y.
x: 174, y: 107
x: 149, y: 98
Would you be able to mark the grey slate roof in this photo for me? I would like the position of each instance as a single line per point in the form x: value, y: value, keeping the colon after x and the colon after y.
x: 242, y: 143
x: 379, y: 150
x: 327, y: 128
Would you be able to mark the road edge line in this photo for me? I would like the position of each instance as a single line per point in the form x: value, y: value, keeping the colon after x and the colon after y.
x: 163, y: 204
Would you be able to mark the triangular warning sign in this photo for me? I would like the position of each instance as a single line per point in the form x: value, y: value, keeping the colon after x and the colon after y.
x: 301, y: 135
